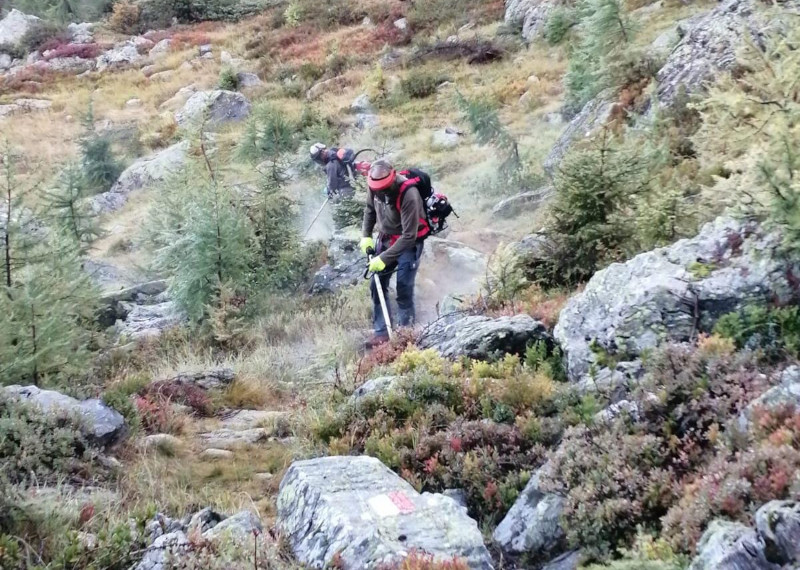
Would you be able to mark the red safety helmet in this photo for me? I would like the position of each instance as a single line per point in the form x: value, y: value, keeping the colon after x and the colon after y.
x: 381, y: 176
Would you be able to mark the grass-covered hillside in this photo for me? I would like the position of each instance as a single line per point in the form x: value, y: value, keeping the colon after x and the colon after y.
x: 603, y: 369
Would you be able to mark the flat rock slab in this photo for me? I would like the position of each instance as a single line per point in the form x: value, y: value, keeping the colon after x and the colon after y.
x: 102, y: 425
x: 233, y: 439
x: 248, y: 419
x: 214, y: 108
x: 360, y: 510
x: 482, y: 338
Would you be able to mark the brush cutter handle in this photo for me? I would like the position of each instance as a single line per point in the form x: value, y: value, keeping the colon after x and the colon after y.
x: 370, y: 253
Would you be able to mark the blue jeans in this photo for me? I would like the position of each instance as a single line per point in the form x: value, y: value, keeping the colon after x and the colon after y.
x: 407, y: 266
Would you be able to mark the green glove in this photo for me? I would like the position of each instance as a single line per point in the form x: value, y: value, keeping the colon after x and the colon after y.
x: 366, y: 243
x: 376, y: 264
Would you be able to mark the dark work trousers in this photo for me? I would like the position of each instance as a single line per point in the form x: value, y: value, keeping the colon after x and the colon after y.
x: 406, y: 267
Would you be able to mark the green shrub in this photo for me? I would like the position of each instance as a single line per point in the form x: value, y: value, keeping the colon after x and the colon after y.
x: 268, y: 132
x: 419, y: 85
x: 160, y: 13
x: 125, y: 17
x: 228, y: 80
x: 41, y: 33
x: 348, y: 212
x: 775, y: 331
x: 41, y: 445
x: 560, y: 21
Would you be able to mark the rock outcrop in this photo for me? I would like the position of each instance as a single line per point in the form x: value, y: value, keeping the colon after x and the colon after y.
x: 567, y: 561
x: 710, y: 46
x: 731, y: 546
x: 140, y: 311
x: 14, y: 27
x: 531, y: 15
x: 671, y: 293
x: 785, y: 394
x: 481, y: 337
x: 345, y: 265
x: 215, y: 107
x: 144, y: 172
x: 210, y: 379
x: 532, y: 524
x: 121, y: 55
x: 169, y: 542
x: 778, y: 524
x: 594, y: 114
x: 522, y: 203
x: 102, y: 425
x: 359, y: 510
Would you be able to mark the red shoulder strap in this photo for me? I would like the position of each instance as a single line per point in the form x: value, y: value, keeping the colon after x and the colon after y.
x: 403, y: 187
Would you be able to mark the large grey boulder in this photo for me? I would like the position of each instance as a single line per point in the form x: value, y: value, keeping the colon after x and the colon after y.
x: 778, y: 524
x: 530, y: 15
x: 81, y: 33
x: 215, y: 107
x: 532, y: 524
x: 213, y: 378
x: 731, y: 546
x: 149, y: 319
x: 376, y: 387
x: 785, y: 394
x: 522, y: 203
x: 102, y: 425
x: 481, y: 338
x: 567, y: 561
x: 121, y: 55
x: 360, y: 510
x: 14, y: 27
x: 345, y: 265
x: 165, y: 549
x: 671, y: 293
x: 144, y: 172
x: 711, y: 44
x: 594, y: 115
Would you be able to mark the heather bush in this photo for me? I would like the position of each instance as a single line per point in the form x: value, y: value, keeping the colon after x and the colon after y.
x: 125, y: 17
x: 42, y: 446
x: 476, y: 426
x: 419, y: 85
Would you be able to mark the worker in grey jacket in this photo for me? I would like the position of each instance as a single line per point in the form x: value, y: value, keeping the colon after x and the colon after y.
x: 393, y: 205
x: 336, y: 172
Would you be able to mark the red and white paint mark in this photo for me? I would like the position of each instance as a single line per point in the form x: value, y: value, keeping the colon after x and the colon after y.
x: 391, y: 504
x: 403, y: 503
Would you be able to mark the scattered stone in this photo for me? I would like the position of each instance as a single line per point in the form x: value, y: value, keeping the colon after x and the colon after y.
x: 14, y: 27
x: 359, y: 510
x: 778, y: 524
x: 204, y: 49
x: 5, y: 61
x: 161, y: 48
x: 594, y: 114
x: 366, y: 22
x: 366, y: 121
x: 786, y: 394
x: 532, y: 524
x: 211, y: 379
x: 238, y: 529
x: 401, y: 24
x: 523, y: 203
x: 133, y: 103
x: 376, y: 386
x: 482, y: 338
x: 87, y: 540
x: 391, y: 59
x: 144, y: 172
x: 149, y: 319
x: 567, y: 561
x: 671, y: 293
x: 248, y: 80
x: 102, y: 425
x: 526, y: 100
x: 160, y: 440
x: 361, y: 104
x: 215, y: 107
x: 233, y: 439
x: 165, y: 75
x: 214, y: 454
x: 445, y: 139
x: 732, y: 546
x: 165, y: 548
x: 143, y: 44
x: 264, y: 476
x: 204, y: 520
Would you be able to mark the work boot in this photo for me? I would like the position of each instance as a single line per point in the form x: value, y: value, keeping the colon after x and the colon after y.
x: 376, y: 340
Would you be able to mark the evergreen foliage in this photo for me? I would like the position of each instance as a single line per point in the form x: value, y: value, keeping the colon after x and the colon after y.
x: 202, y: 238
x: 592, y: 219
x: 751, y: 124
x: 64, y: 11
x: 68, y: 210
x: 268, y: 132
x: 100, y: 168
x: 604, y: 35
x: 482, y: 117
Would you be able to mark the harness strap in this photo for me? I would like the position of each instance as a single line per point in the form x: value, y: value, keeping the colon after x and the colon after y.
x: 422, y: 221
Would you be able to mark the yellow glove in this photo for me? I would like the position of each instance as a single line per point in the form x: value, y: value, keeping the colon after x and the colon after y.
x: 366, y: 243
x: 376, y: 264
